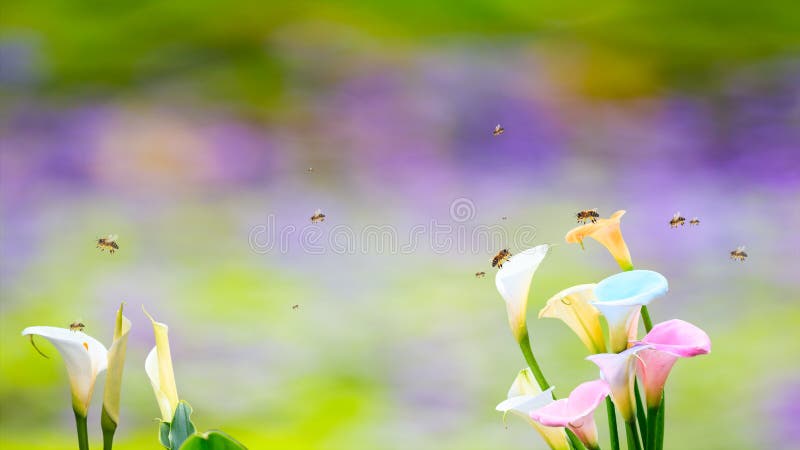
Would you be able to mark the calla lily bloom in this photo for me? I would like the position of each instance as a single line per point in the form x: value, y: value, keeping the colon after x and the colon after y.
x: 525, y: 396
x: 84, y: 356
x: 158, y: 366
x: 618, y: 371
x: 116, y: 363
x: 574, y: 308
x: 514, y: 283
x: 576, y: 412
x: 669, y: 341
x: 620, y: 297
x: 608, y: 233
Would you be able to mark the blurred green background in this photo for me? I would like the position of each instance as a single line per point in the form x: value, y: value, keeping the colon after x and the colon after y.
x: 185, y: 126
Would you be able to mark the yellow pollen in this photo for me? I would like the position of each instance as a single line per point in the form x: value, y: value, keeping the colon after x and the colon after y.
x: 86, y: 346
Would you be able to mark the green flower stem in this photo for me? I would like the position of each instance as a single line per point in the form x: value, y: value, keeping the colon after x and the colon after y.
x: 632, y: 433
x: 574, y: 441
x: 109, y: 428
x: 613, y: 435
x: 525, y: 346
x: 640, y: 416
x: 660, y: 425
x: 648, y: 324
x: 652, y: 425
x: 83, y: 434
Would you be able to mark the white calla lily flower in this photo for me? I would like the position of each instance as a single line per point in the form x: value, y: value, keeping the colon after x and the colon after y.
x: 524, y: 396
x: 513, y: 281
x: 84, y: 356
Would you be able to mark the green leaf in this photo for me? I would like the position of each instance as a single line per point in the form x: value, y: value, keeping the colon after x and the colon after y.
x: 163, y: 434
x: 212, y: 440
x: 181, y: 427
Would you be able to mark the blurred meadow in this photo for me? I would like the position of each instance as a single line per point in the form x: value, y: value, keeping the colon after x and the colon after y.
x: 184, y: 126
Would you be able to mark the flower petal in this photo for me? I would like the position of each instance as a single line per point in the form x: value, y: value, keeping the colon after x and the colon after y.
x: 620, y: 297
x: 573, y: 306
x: 116, y: 364
x: 164, y: 382
x: 617, y: 370
x: 525, y: 396
x: 84, y: 356
x: 608, y: 233
x: 513, y: 282
x: 669, y: 341
x: 576, y: 412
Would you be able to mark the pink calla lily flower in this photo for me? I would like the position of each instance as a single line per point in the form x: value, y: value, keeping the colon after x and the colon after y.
x: 668, y: 341
x: 576, y: 412
x: 618, y: 371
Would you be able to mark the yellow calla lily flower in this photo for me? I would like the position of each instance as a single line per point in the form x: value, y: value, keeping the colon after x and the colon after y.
x: 116, y: 363
x: 573, y: 306
x: 158, y: 366
x: 608, y: 233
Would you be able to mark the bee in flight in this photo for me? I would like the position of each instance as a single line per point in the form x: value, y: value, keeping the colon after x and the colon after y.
x: 295, y: 307
x: 739, y: 253
x: 480, y: 274
x: 76, y: 326
x: 318, y: 216
x: 501, y: 257
x: 109, y: 242
x: 588, y: 214
x: 310, y: 170
x: 504, y: 217
x: 694, y: 221
x: 498, y: 130
x: 676, y: 220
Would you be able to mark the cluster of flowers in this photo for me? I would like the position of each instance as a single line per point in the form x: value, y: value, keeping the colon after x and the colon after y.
x: 625, y: 364
x: 86, y: 358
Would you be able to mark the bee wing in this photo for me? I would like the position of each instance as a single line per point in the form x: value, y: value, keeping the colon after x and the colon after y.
x: 317, y: 212
x: 112, y: 237
x: 740, y: 248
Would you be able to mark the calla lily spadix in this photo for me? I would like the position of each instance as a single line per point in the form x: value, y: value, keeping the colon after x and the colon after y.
x: 668, y: 341
x: 620, y: 297
x: 116, y: 363
x: 576, y: 412
x: 607, y: 232
x: 618, y: 370
x: 574, y: 307
x: 158, y: 366
x: 525, y: 396
x: 84, y: 356
x: 513, y: 281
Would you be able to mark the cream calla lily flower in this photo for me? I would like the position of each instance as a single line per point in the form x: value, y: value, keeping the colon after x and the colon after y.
x: 158, y: 366
x: 116, y: 364
x: 573, y: 306
x: 84, y: 356
x: 513, y: 282
x: 619, y: 371
x: 525, y: 396
x: 620, y: 297
x: 608, y: 233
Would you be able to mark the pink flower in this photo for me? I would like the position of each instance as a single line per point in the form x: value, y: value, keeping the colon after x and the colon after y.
x: 668, y: 341
x: 576, y: 412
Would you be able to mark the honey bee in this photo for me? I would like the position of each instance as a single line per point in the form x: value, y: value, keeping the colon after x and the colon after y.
x: 694, y: 221
x: 504, y: 217
x: 498, y: 130
x: 588, y: 214
x: 76, y: 326
x: 501, y: 257
x: 310, y: 170
x: 739, y: 253
x: 109, y: 242
x: 480, y: 274
x: 318, y: 216
x: 295, y: 307
x: 676, y: 220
